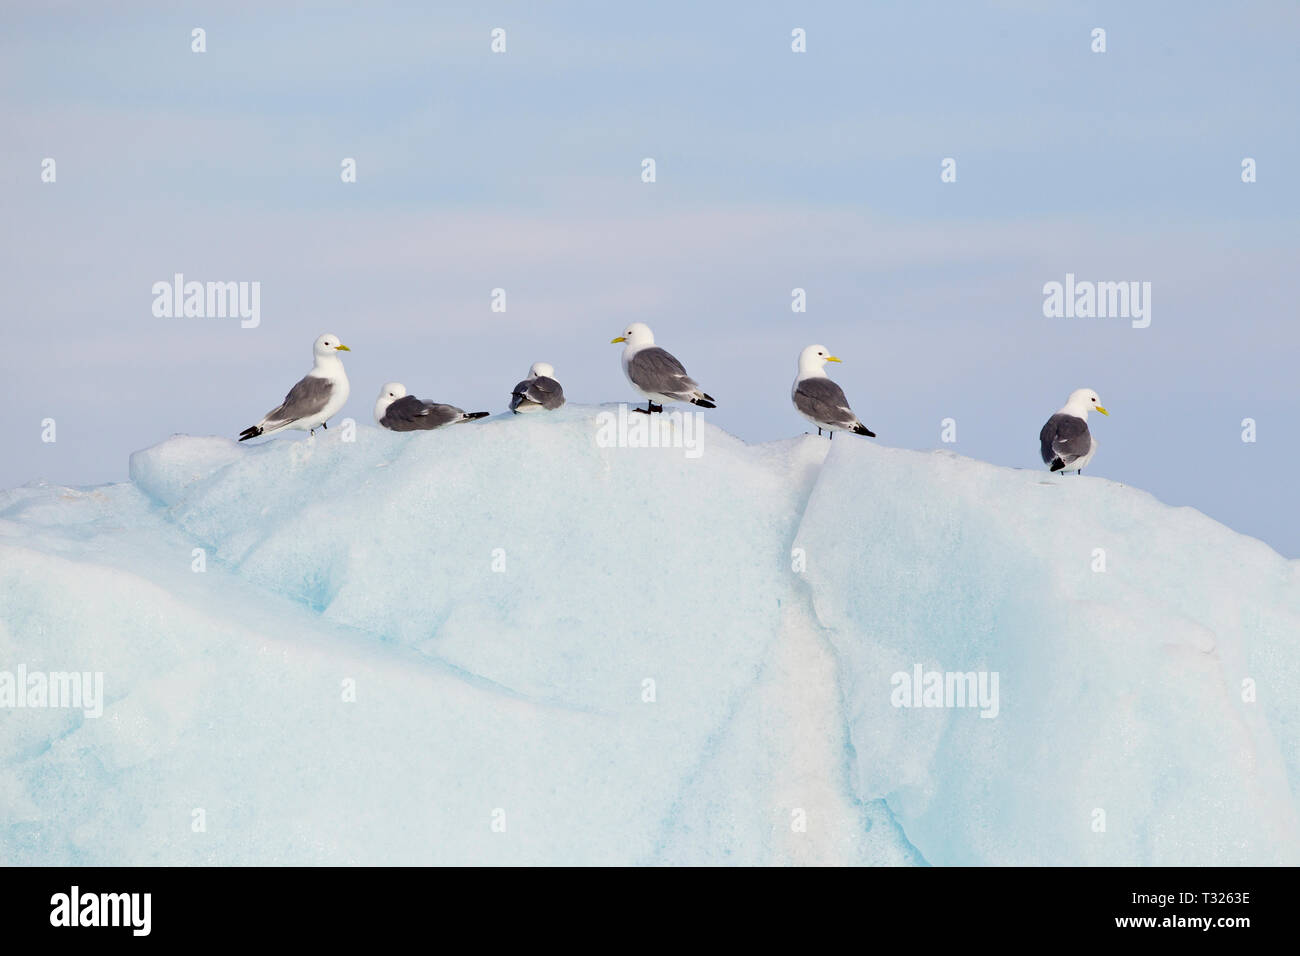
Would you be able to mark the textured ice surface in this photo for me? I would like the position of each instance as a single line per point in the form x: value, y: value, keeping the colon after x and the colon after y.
x: 1121, y: 690
x: 502, y: 595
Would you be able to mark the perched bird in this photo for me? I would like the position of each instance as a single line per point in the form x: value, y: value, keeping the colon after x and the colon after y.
x: 538, y: 391
x: 655, y: 373
x: 1065, y: 439
x: 399, y: 412
x: 820, y: 400
x: 320, y: 393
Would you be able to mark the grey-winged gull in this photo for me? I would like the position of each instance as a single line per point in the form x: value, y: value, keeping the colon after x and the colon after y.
x: 655, y: 373
x: 1065, y: 442
x: 320, y: 393
x: 539, y: 391
x: 820, y: 400
x: 399, y: 412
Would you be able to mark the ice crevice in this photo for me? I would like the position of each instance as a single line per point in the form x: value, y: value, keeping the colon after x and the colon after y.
x: 504, y: 643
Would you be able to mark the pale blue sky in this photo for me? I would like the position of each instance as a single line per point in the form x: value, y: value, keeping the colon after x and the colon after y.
x: 775, y: 170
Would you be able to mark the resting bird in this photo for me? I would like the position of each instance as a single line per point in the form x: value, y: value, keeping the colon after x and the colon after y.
x: 656, y: 374
x: 400, y: 412
x: 1065, y: 439
x: 538, y: 391
x: 820, y: 400
x: 320, y: 393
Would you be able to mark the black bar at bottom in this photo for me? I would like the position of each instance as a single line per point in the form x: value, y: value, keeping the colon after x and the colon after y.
x: 332, y: 905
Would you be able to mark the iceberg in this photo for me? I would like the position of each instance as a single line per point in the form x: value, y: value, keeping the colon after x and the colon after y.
x: 514, y: 643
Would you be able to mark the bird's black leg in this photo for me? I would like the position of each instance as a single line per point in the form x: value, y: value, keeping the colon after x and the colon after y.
x: 830, y: 435
x: 325, y: 425
x: 819, y: 431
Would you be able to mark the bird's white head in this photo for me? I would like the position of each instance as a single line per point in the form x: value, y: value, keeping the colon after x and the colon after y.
x: 813, y: 359
x: 541, y: 368
x: 637, y: 335
x: 387, y: 395
x: 329, y: 345
x: 1081, y: 402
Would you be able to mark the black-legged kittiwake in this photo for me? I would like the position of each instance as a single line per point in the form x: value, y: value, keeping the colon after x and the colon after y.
x: 320, y: 393
x: 820, y: 400
x: 655, y: 373
x: 399, y: 412
x: 539, y: 391
x: 1066, y: 444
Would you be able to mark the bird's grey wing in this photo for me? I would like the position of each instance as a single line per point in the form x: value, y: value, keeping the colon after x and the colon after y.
x: 441, y: 415
x: 305, y: 399
x: 409, y: 414
x: 1065, y: 437
x: 823, y: 401
x: 545, y: 391
x: 655, y: 370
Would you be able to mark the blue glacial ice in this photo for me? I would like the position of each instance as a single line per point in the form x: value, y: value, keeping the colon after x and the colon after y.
x: 504, y: 643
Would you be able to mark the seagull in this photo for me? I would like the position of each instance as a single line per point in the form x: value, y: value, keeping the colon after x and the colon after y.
x: 399, y: 412
x: 320, y: 393
x: 820, y: 400
x: 655, y: 373
x: 1065, y: 440
x: 538, y: 391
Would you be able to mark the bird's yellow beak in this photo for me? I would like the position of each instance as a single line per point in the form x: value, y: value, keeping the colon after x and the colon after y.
x: 619, y: 339
x: 341, y: 348
x: 1102, y: 410
x: 832, y: 358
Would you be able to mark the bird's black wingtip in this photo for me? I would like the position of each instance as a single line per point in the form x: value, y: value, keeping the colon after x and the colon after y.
x: 470, y: 415
x: 1057, y: 465
x: 251, y: 432
x: 705, y: 402
x: 861, y: 429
